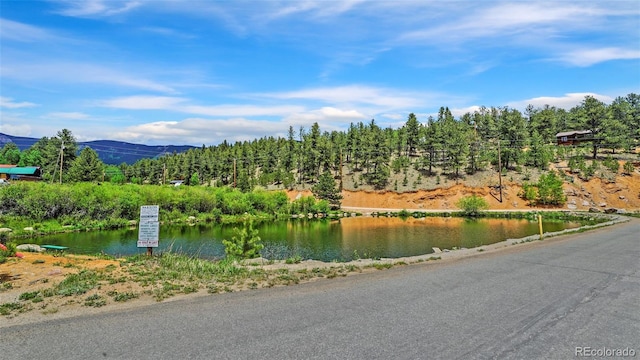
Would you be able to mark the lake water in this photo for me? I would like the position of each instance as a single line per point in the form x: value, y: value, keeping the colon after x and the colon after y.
x: 325, y: 239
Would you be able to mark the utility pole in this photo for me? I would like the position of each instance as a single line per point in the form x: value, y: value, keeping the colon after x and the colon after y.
x: 340, y: 169
x: 499, y: 170
x: 61, y: 159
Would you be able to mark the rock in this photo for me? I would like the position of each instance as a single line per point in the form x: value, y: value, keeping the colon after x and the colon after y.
x: 622, y: 211
x: 594, y: 210
x: 132, y: 222
x: 5, y: 230
x: 585, y: 203
x: 610, y: 211
x: 571, y: 206
x: 603, y: 204
x: 572, y: 202
x: 621, y: 197
x: 436, y: 250
x: 30, y: 248
x: 191, y: 219
x: 28, y: 228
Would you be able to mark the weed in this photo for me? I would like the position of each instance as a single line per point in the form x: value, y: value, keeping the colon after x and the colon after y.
x: 8, y: 308
x: 78, y: 284
x: 294, y: 260
x: 38, y: 261
x: 125, y: 296
x: 95, y: 300
x: 381, y: 266
x: 29, y: 295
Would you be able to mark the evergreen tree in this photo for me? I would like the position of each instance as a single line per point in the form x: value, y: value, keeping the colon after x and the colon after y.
x: 412, y: 127
x: 10, y: 154
x: 86, y: 167
x: 327, y: 189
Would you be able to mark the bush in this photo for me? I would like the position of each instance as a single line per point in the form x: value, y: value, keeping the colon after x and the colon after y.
x: 550, y: 189
x: 246, y: 244
x: 472, y: 205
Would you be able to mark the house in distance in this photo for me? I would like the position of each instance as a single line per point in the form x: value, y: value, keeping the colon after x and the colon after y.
x: 573, y: 137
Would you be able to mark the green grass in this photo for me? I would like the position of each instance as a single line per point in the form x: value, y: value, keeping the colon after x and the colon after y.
x: 8, y: 308
x: 78, y: 284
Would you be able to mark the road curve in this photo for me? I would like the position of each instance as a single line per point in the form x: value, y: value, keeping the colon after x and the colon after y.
x: 579, y: 293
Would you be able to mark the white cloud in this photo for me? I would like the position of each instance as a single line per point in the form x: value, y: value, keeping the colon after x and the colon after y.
x: 71, y: 72
x: 510, y: 19
x: 178, y: 104
x: 67, y: 115
x: 331, y: 118
x: 197, y: 131
x: 15, y: 130
x: 240, y: 110
x: 567, y: 101
x: 457, y: 112
x: 91, y: 8
x: 17, y: 31
x: 143, y: 102
x: 588, y: 57
x: 8, y: 103
x: 357, y: 94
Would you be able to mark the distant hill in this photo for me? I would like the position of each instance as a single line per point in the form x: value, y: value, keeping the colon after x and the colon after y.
x: 110, y: 152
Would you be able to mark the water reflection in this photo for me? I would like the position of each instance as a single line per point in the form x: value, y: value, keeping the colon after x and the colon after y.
x: 325, y: 239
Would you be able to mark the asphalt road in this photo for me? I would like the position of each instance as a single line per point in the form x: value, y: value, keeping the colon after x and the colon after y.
x: 540, y: 301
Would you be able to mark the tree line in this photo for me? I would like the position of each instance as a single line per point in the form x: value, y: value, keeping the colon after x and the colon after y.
x: 444, y: 145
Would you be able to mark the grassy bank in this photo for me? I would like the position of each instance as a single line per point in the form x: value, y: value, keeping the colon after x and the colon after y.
x: 42, y: 208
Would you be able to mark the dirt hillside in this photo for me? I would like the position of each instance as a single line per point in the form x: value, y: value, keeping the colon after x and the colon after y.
x: 623, y: 193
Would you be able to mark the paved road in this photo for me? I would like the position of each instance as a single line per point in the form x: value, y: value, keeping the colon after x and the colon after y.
x: 542, y: 302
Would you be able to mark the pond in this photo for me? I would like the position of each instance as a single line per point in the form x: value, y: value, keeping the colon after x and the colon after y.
x: 326, y: 240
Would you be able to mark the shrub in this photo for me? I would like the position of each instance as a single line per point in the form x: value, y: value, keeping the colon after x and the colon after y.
x: 246, y: 244
x: 628, y: 168
x: 472, y: 205
x: 550, y: 189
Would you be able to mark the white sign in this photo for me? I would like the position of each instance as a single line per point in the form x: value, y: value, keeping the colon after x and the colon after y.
x: 149, y: 213
x: 149, y: 228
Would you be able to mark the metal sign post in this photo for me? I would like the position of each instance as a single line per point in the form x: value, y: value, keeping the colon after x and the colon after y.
x: 149, y: 228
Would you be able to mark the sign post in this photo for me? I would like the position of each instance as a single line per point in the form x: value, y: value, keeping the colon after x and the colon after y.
x: 149, y: 228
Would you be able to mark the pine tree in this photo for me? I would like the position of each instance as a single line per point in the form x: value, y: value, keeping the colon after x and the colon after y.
x: 86, y: 167
x: 327, y: 189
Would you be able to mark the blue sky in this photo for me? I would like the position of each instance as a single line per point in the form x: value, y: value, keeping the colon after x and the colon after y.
x: 199, y: 72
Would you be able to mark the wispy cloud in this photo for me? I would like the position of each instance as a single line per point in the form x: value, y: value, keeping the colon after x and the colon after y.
x: 67, y: 116
x: 588, y: 57
x: 73, y: 72
x: 8, y: 103
x: 566, y: 101
x: 90, y: 8
x: 17, y: 31
x: 356, y: 94
x: 200, y: 131
x: 178, y: 104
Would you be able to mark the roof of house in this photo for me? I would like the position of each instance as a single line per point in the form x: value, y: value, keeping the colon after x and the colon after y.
x: 30, y: 170
x: 576, y: 132
x: 7, y: 166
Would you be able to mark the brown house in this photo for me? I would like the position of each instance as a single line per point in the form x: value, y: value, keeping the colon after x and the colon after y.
x: 573, y: 137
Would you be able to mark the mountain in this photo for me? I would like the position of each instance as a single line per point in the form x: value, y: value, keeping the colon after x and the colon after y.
x: 110, y: 152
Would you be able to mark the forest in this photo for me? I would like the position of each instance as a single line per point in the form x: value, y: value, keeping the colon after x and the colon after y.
x: 365, y: 153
